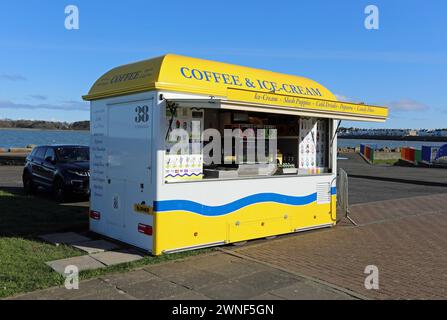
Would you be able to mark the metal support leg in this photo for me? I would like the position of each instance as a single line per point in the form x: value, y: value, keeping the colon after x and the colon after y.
x: 350, y: 219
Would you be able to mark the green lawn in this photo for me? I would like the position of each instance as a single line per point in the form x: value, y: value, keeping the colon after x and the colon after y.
x: 23, y: 256
x: 23, y: 268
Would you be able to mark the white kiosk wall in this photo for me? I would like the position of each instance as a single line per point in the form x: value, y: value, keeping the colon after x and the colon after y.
x: 121, y: 167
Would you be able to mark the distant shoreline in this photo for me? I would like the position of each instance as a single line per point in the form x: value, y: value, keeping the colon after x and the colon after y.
x: 37, y: 129
x: 394, y: 138
x: 44, y: 125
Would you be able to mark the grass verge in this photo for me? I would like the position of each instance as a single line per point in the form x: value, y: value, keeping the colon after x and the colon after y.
x: 23, y: 255
x: 23, y: 268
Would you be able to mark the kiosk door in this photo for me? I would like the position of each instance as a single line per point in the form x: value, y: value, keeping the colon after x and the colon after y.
x: 128, y: 162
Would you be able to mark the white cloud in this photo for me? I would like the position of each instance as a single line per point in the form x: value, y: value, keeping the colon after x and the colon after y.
x: 38, y: 97
x: 65, y: 105
x: 12, y: 77
x: 408, y: 105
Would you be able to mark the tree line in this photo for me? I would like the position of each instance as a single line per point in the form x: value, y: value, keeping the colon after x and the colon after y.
x: 44, y: 125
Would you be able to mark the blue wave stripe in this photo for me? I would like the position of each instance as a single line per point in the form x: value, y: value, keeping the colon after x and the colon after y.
x: 212, y: 211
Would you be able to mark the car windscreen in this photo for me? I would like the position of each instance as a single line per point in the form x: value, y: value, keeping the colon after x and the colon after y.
x: 72, y: 154
x: 40, y: 153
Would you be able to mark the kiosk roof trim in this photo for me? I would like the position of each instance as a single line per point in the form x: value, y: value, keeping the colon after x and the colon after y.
x: 223, y: 81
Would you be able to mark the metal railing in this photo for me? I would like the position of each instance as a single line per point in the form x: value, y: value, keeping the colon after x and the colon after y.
x: 343, y: 194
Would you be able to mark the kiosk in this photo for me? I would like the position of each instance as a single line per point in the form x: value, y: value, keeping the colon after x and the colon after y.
x: 149, y: 192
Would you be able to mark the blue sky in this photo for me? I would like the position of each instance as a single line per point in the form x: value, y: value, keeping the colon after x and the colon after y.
x: 44, y: 68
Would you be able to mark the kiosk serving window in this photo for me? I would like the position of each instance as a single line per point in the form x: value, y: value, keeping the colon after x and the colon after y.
x: 203, y: 144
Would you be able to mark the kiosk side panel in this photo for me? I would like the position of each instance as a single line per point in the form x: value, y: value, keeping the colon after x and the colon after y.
x: 121, y: 169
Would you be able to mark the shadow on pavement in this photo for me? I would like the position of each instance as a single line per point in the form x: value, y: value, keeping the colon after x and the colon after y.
x: 29, y: 216
x: 399, y: 180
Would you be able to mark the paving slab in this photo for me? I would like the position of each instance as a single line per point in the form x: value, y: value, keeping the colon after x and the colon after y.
x: 96, y: 246
x: 88, y: 287
x: 64, y: 238
x: 188, y: 296
x: 110, y: 258
x: 120, y: 280
x: 230, y: 290
x: 38, y: 295
x: 269, y: 280
x: 82, y: 263
x: 167, y: 270
x: 237, y: 268
x: 210, y: 261
x: 267, y: 296
x: 186, y: 275
x: 225, y: 265
x: 106, y: 295
x: 197, y: 279
x: 309, y: 291
x: 154, y: 289
x: 92, y: 287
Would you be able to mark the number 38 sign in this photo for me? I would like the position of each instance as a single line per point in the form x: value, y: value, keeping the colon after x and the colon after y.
x: 142, y: 114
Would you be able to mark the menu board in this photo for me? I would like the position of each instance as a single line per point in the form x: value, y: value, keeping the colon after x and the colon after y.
x: 98, y: 152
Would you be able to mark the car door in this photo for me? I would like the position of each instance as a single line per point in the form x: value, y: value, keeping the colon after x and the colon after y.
x: 48, y: 166
x: 37, y: 163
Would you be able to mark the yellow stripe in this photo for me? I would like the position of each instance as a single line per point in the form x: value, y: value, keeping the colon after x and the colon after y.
x: 179, y: 229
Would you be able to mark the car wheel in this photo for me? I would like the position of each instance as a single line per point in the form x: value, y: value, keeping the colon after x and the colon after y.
x: 59, y: 190
x: 28, y: 184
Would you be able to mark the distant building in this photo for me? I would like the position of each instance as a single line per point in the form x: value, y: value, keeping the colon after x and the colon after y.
x: 393, y: 132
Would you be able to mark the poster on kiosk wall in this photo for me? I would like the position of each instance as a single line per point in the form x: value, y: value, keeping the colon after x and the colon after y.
x: 187, y: 164
x: 312, y: 146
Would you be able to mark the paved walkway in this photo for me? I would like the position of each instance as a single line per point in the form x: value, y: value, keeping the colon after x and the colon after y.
x: 406, y: 239
x: 212, y: 276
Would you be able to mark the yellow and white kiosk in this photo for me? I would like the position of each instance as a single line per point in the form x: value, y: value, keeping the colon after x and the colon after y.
x: 144, y: 194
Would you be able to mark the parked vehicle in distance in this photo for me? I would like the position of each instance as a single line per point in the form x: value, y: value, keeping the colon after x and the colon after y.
x: 64, y: 169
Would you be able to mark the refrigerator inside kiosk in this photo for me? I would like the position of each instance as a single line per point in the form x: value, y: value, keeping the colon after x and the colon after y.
x: 186, y: 163
x: 313, y: 145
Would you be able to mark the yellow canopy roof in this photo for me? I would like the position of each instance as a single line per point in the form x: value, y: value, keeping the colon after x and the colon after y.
x: 226, y: 81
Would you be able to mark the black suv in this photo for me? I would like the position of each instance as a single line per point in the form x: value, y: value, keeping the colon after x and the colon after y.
x: 62, y: 168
